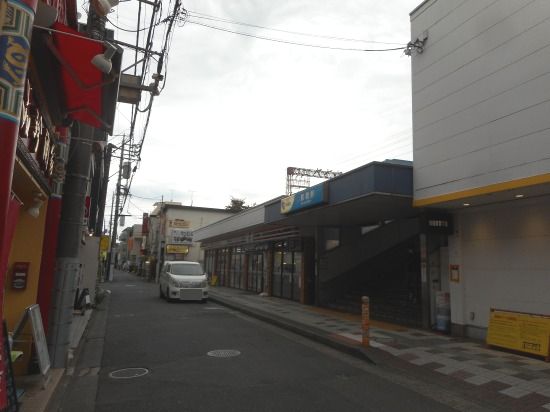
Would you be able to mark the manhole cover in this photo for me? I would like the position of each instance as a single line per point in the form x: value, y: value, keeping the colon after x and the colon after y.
x: 129, y: 373
x: 224, y: 353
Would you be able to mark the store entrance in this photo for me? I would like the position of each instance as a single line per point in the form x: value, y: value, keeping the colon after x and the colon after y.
x: 287, y: 270
x: 256, y: 263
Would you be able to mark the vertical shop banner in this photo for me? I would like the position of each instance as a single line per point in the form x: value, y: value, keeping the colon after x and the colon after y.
x: 9, y: 232
x: 7, y: 236
x: 16, y: 20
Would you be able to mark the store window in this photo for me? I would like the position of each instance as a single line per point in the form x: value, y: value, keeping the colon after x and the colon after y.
x: 332, y: 238
x: 256, y: 271
x: 236, y: 269
x: 222, y: 267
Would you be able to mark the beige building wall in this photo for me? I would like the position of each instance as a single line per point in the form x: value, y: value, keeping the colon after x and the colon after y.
x: 481, y: 97
x: 481, y: 141
x: 181, y: 221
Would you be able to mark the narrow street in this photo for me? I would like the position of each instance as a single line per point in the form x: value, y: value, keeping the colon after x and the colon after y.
x: 273, y: 370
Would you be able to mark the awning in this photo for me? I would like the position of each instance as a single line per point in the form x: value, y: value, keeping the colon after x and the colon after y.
x: 90, y: 95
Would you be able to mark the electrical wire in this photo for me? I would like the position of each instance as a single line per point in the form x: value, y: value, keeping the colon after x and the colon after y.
x: 146, y: 198
x: 136, y: 206
x: 292, y: 42
x: 224, y: 20
x: 127, y: 30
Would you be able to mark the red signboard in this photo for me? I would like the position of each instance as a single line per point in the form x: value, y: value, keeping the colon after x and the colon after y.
x: 20, y: 275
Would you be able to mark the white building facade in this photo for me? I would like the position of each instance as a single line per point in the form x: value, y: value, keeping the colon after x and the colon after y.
x: 481, y: 142
x: 171, y: 230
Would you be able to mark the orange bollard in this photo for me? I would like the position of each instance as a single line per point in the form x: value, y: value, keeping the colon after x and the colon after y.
x: 365, y: 315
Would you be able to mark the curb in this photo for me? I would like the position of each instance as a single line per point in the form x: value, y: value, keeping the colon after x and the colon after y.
x: 300, y: 329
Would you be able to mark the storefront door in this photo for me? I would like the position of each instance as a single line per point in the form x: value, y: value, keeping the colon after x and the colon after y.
x: 277, y: 271
x: 288, y: 271
x: 297, y: 276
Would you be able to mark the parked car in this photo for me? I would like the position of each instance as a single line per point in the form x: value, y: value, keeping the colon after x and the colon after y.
x: 183, y: 280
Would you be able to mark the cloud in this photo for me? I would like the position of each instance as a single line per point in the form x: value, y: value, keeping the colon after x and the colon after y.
x: 236, y: 111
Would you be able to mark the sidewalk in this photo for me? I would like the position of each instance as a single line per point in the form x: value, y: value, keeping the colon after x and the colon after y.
x: 37, y: 395
x: 516, y: 382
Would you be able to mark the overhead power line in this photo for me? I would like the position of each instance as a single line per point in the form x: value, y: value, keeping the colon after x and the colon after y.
x: 127, y: 30
x: 145, y: 198
x: 292, y: 42
x: 224, y: 20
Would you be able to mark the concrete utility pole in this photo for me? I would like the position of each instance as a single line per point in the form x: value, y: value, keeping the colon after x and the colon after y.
x: 71, y: 225
x: 103, y: 192
x: 70, y: 237
x: 159, y: 240
x: 115, y: 222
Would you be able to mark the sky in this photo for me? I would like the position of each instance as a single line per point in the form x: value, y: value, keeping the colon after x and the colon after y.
x: 237, y: 111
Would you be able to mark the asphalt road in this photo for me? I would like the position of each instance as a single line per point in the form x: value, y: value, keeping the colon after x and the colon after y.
x: 275, y: 370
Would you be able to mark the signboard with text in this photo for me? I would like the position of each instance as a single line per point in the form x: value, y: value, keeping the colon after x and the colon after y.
x: 312, y: 196
x: 181, y: 236
x: 181, y: 249
x: 438, y: 223
x: 39, y: 338
x: 179, y: 223
x: 20, y: 275
x: 521, y: 332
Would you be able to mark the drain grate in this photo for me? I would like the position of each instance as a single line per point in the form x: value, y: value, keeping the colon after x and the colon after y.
x: 224, y: 353
x: 128, y: 373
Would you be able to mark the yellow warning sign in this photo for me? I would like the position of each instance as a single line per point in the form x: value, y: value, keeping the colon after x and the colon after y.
x: 522, y: 332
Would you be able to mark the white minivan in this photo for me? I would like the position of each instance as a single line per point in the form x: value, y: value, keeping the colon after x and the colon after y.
x: 183, y: 280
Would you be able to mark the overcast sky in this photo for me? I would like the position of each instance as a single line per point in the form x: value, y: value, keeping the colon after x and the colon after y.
x: 237, y: 111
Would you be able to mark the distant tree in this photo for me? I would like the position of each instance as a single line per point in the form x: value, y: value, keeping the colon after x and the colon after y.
x: 236, y: 205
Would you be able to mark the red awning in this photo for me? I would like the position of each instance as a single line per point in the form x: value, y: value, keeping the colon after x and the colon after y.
x: 82, y: 82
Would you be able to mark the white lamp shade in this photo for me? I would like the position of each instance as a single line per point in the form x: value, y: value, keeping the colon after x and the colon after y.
x: 34, y: 210
x: 104, y: 6
x: 102, y: 63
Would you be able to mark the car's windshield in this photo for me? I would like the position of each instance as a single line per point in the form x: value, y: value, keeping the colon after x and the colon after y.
x: 185, y: 269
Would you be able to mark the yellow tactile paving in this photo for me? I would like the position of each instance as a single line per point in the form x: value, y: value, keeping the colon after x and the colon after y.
x: 335, y: 314
x: 388, y: 326
x: 357, y: 318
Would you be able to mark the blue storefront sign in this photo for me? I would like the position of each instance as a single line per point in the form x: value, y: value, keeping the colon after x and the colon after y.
x: 312, y: 196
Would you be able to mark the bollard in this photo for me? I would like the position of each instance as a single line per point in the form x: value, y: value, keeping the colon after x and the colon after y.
x: 365, y: 314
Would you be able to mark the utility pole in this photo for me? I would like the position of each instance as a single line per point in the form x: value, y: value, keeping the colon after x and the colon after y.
x: 111, y: 218
x: 107, y: 263
x: 103, y: 192
x: 159, y: 241
x: 68, y: 265
x: 70, y: 237
x: 117, y: 206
